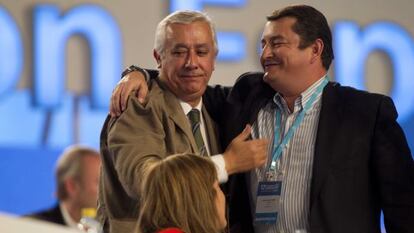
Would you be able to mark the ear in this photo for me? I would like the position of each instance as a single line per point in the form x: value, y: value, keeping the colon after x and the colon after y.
x: 72, y: 186
x: 157, y: 57
x: 317, y: 49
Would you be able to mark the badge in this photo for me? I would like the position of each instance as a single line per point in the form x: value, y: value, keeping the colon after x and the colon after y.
x: 267, y: 203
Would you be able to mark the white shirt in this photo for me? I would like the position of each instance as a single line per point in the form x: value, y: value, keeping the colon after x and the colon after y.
x: 218, y: 160
x: 67, y: 218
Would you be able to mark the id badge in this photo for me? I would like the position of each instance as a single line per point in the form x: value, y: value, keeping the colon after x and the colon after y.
x: 267, y: 203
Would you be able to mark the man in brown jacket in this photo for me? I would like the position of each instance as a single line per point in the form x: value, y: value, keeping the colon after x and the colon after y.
x: 169, y: 123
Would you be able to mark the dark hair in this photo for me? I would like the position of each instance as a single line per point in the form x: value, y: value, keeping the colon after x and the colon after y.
x: 310, y: 25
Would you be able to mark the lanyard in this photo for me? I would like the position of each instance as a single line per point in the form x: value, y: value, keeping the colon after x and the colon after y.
x: 278, y: 147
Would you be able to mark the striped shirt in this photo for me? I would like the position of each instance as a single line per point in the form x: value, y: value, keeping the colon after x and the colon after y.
x: 294, y: 167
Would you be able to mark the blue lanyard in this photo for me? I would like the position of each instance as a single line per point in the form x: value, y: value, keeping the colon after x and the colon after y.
x: 278, y: 147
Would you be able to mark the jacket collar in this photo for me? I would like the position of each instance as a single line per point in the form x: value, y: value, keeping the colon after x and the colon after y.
x: 175, y: 112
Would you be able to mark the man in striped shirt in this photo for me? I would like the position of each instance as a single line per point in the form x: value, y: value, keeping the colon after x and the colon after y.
x: 339, y: 153
x: 342, y: 156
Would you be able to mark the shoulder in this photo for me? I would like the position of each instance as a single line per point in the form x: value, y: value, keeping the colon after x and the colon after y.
x: 133, y: 113
x: 359, y: 102
x: 249, y: 79
x: 248, y: 85
x: 171, y: 230
x: 52, y: 215
x: 156, y: 94
x: 155, y: 101
x: 160, y: 105
x: 354, y: 96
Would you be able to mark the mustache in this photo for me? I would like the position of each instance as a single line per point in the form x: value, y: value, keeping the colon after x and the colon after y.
x: 273, y: 61
x: 191, y: 74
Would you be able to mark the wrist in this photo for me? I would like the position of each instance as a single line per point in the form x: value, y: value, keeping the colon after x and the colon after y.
x: 227, y: 163
x: 133, y: 68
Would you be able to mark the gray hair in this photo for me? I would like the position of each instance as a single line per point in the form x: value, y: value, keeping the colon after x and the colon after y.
x: 69, y: 165
x: 182, y: 17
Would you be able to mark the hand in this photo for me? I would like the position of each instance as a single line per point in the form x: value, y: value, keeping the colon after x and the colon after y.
x: 134, y: 81
x: 243, y: 155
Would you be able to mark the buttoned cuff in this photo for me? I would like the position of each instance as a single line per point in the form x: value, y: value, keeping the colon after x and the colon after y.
x: 218, y: 160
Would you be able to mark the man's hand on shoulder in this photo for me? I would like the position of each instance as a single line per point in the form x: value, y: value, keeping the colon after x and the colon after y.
x: 132, y: 82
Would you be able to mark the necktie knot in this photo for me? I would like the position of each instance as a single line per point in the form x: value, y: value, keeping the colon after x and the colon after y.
x: 194, y: 116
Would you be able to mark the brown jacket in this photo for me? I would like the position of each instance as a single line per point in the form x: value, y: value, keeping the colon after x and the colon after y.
x: 159, y: 127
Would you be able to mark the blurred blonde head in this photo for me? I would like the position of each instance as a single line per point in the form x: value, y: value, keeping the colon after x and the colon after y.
x: 178, y: 192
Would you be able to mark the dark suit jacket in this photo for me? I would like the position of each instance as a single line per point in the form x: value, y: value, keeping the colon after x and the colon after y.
x: 53, y: 215
x: 362, y: 162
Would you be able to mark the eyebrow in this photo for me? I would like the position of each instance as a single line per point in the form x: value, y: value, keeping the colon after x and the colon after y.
x: 202, y: 46
x: 179, y: 46
x: 197, y: 46
x: 277, y: 37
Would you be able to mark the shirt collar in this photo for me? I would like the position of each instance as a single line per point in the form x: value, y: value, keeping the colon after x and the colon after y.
x: 67, y: 218
x: 301, y: 100
x: 187, y: 107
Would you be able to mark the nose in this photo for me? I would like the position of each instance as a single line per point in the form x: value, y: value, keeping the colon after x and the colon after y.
x: 266, y: 51
x: 192, y: 60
